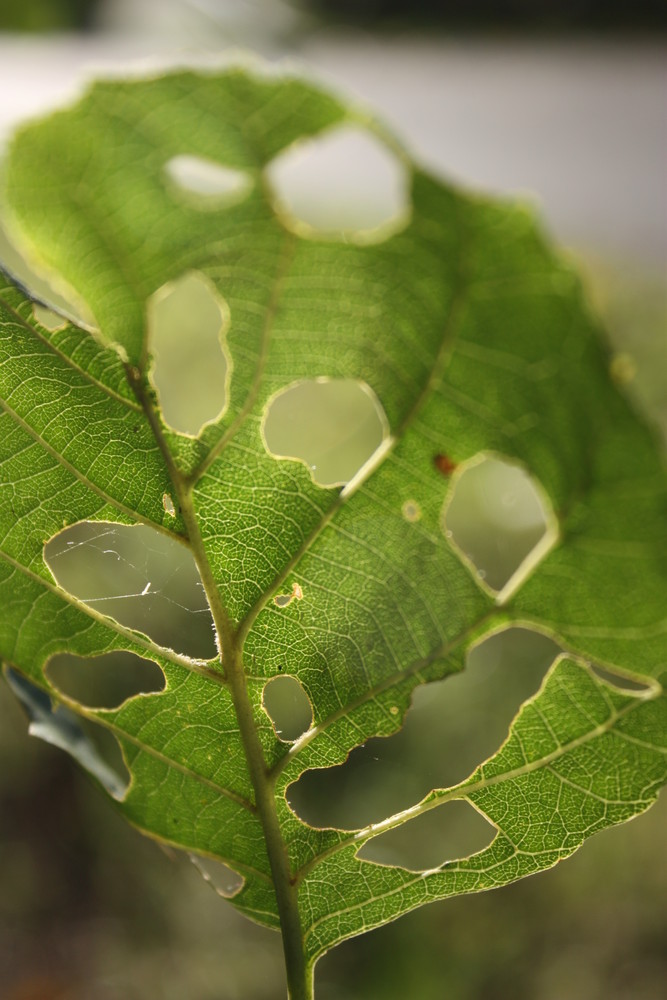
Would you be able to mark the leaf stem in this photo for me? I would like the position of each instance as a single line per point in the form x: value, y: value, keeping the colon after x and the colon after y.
x: 299, y: 980
x: 299, y: 973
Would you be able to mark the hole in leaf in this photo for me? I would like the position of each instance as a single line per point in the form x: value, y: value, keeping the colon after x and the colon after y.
x: 168, y: 505
x: 345, y: 184
x: 207, y: 184
x: 283, y: 600
x: 95, y: 748
x: 223, y: 879
x: 187, y: 320
x: 288, y: 706
x: 452, y: 830
x: 334, y: 426
x: 104, y: 681
x: 499, y: 523
x: 628, y: 685
x: 48, y: 318
x: 452, y: 726
x: 143, y: 579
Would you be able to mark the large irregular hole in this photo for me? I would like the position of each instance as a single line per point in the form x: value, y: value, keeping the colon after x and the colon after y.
x: 288, y: 706
x: 104, y: 681
x: 451, y: 830
x: 222, y: 879
x: 142, y: 578
x: 452, y: 726
x: 187, y: 321
x: 205, y: 183
x: 332, y: 425
x: 345, y: 184
x: 92, y: 746
x: 499, y: 522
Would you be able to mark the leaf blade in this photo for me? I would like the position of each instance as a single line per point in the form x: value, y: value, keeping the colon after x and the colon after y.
x: 474, y: 337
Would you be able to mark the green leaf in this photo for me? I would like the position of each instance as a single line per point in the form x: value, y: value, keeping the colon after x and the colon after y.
x: 473, y: 336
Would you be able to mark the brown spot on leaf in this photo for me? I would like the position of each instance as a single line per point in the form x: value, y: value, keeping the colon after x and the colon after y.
x: 444, y: 464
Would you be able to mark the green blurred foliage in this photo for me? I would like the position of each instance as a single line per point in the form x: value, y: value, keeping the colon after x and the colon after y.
x: 46, y: 15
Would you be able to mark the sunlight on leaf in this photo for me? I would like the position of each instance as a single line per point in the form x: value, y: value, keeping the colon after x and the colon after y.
x: 400, y: 356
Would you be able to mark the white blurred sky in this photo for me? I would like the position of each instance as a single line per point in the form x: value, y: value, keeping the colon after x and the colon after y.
x: 580, y: 126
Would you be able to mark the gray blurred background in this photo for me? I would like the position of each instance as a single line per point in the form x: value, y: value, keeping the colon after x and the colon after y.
x: 559, y: 104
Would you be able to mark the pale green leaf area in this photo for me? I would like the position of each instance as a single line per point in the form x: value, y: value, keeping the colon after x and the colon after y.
x: 469, y: 336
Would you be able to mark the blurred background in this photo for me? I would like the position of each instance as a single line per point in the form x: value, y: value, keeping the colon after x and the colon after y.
x: 559, y: 104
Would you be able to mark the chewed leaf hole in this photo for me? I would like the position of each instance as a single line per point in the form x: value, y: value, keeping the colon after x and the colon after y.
x: 95, y: 748
x: 344, y: 184
x: 452, y: 726
x: 187, y: 320
x: 222, y: 879
x: 208, y: 184
x: 288, y: 706
x: 283, y: 600
x: 49, y: 319
x: 104, y: 681
x: 143, y: 579
x: 628, y: 685
x: 499, y: 522
x: 452, y: 830
x: 332, y: 425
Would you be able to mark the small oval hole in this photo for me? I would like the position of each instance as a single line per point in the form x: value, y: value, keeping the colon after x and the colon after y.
x: 104, y: 681
x: 49, y: 319
x: 187, y: 321
x: 207, y: 183
x: 288, y: 706
x: 333, y: 426
x: 222, y: 879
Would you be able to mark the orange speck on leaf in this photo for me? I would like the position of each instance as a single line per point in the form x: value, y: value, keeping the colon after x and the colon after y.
x: 444, y: 464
